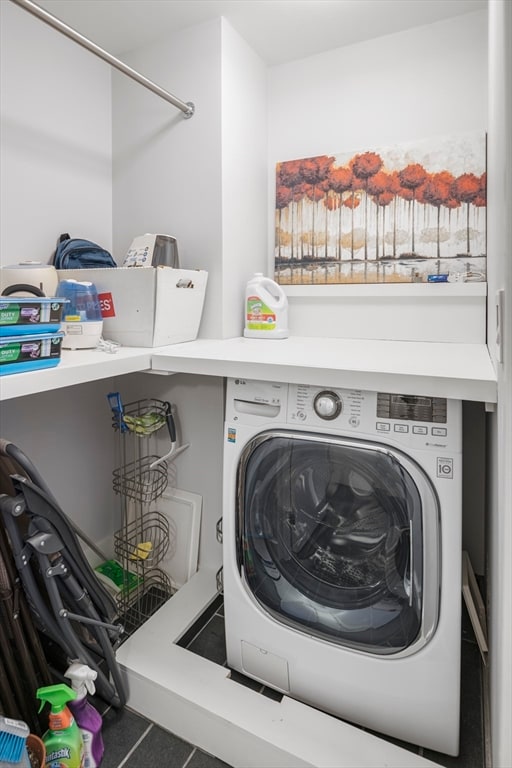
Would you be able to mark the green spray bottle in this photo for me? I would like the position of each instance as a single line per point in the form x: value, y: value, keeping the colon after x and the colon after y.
x: 63, y: 740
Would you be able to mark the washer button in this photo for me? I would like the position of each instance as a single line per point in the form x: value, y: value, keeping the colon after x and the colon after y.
x: 401, y: 427
x: 381, y: 426
x: 439, y: 431
x: 420, y: 430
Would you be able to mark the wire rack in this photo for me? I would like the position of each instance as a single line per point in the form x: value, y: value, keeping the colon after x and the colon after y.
x: 145, y: 535
x: 144, y: 599
x: 138, y: 481
x: 142, y: 417
x: 144, y: 540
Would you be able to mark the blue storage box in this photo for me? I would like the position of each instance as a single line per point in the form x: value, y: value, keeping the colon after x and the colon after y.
x: 30, y: 315
x: 29, y: 352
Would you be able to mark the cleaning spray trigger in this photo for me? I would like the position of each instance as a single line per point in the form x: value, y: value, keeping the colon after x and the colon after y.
x: 82, y: 679
x: 87, y: 717
x: 63, y: 740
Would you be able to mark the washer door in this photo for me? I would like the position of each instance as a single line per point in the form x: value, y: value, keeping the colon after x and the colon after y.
x: 333, y: 536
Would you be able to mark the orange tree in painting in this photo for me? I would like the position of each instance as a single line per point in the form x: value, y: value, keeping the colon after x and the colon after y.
x: 283, y: 200
x: 352, y: 202
x: 314, y: 172
x: 364, y: 167
x: 377, y: 185
x: 480, y: 201
x: 394, y: 188
x: 340, y: 180
x: 411, y: 178
x: 289, y: 176
x: 466, y: 189
x: 436, y: 192
x: 332, y: 203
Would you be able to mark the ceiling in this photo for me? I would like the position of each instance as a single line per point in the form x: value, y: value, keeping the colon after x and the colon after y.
x: 278, y: 30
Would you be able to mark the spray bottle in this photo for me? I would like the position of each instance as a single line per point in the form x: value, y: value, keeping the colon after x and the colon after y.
x: 87, y: 717
x: 63, y: 740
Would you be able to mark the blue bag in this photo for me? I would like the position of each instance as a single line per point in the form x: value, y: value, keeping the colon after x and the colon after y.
x: 75, y: 253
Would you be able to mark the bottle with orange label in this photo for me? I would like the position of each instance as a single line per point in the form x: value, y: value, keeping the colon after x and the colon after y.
x: 63, y: 740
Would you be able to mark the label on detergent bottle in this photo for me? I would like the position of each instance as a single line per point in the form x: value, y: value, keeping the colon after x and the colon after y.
x: 55, y: 758
x: 259, y: 316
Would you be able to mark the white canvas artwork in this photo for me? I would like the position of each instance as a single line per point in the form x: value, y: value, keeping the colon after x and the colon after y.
x: 408, y: 213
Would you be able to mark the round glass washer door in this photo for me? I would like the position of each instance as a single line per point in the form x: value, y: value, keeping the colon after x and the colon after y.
x: 333, y: 539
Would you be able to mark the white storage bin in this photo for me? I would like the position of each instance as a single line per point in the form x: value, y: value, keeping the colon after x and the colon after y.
x: 147, y: 307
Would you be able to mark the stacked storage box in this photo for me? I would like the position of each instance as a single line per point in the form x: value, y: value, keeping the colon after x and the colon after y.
x: 30, y: 336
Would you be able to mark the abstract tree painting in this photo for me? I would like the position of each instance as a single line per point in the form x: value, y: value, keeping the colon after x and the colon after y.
x: 409, y: 213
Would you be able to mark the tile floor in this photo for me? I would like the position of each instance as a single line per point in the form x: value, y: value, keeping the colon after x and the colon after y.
x: 132, y: 741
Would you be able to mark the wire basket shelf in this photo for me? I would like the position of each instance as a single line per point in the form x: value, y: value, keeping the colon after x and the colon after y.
x: 142, y: 417
x: 138, y: 481
x: 145, y: 535
x: 138, y: 603
x: 145, y: 541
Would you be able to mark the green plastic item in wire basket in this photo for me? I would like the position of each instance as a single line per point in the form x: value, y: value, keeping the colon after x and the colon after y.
x: 146, y: 423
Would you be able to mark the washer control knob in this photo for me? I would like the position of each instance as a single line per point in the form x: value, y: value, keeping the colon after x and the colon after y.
x: 327, y: 405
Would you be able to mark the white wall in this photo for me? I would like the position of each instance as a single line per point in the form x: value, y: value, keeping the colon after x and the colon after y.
x: 414, y: 85
x: 68, y: 437
x: 55, y: 157
x: 244, y: 174
x: 167, y: 169
x: 55, y: 150
x: 202, y: 180
x: 500, y: 477
x: 429, y: 81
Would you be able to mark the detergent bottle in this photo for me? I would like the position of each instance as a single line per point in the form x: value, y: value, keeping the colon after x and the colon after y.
x: 63, y: 740
x: 87, y: 717
x: 266, y: 309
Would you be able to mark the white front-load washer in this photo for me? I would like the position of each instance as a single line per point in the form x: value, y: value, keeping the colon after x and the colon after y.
x: 342, y: 552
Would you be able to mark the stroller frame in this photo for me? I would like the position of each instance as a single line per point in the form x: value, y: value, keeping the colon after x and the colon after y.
x: 61, y: 588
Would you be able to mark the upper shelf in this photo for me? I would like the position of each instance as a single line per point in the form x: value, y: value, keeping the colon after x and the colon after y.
x: 461, y: 371
x: 76, y: 367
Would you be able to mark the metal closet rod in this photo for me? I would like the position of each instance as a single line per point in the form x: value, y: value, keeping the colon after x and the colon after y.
x: 187, y: 108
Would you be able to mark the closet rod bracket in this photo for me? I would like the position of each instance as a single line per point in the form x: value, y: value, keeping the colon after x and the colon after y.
x: 191, y: 109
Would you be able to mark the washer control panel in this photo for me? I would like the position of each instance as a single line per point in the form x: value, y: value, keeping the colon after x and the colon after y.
x: 425, y: 422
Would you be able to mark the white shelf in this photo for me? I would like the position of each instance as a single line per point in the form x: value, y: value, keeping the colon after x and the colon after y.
x: 75, y: 367
x: 196, y: 699
x: 461, y: 371
x: 419, y: 291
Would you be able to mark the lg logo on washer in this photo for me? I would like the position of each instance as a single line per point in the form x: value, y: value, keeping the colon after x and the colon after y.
x: 445, y: 468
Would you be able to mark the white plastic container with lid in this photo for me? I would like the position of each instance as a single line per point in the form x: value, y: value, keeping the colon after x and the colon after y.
x: 266, y: 309
x: 82, y: 322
